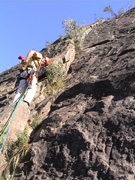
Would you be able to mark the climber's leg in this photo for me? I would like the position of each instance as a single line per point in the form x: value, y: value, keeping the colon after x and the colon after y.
x: 21, y: 89
x: 22, y: 86
x: 31, y: 91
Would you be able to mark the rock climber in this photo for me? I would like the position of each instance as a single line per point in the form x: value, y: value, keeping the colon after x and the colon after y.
x: 28, y: 75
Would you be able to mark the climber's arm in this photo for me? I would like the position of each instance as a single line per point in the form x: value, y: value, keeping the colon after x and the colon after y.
x: 30, y: 54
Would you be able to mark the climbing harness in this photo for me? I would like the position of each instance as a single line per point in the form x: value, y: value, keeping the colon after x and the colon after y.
x: 7, y: 128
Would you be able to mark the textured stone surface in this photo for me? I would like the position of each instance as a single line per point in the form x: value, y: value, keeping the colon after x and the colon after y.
x: 89, y: 132
x: 40, y: 106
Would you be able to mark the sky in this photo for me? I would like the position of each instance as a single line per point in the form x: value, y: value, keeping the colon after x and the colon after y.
x: 30, y: 24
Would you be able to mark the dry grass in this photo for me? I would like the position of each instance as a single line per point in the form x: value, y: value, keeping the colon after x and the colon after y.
x: 17, y: 151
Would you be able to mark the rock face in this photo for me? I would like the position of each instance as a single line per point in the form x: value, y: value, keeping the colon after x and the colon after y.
x: 25, y: 115
x: 89, y: 131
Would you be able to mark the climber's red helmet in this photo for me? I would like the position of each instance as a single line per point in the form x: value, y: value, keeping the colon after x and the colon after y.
x: 47, y: 60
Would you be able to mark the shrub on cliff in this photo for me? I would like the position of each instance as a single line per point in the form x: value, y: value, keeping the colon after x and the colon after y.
x: 54, y: 81
x: 74, y: 31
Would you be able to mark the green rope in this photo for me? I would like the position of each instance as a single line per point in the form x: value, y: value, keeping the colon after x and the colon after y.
x: 10, y: 122
x: 7, y: 124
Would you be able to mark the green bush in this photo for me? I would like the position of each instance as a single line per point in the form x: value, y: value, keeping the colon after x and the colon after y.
x: 73, y: 29
x: 17, y: 151
x: 122, y: 10
x: 75, y: 32
x: 54, y: 82
x: 36, y: 122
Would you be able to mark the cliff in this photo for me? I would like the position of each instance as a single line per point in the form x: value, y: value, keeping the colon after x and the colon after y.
x: 87, y: 130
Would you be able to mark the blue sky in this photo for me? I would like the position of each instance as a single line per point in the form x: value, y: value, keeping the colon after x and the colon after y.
x: 29, y: 24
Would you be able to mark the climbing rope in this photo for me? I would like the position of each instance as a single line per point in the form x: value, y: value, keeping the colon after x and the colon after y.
x: 7, y: 128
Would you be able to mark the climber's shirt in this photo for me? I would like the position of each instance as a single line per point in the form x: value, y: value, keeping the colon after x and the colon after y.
x: 33, y: 63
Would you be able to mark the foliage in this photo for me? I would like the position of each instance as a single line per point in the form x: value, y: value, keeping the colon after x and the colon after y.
x: 54, y: 89
x: 122, y: 10
x: 54, y: 82
x: 37, y: 121
x: 48, y: 48
x: 100, y: 17
x: 54, y: 72
x: 2, y: 178
x: 74, y: 31
x: 112, y: 13
x: 109, y: 9
x: 18, y: 150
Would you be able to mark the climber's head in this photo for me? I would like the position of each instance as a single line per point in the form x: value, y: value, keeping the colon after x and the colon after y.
x: 46, y: 60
